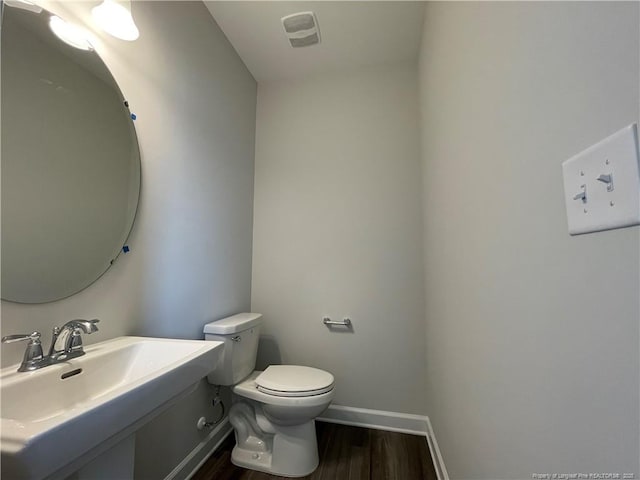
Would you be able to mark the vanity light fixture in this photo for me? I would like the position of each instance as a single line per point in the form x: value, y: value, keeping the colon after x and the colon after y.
x: 114, y: 17
x: 69, y: 34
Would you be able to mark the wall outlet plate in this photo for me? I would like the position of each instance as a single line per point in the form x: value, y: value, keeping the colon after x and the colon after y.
x: 602, y: 184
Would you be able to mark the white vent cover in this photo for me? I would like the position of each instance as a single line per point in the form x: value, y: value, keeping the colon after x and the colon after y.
x: 301, y: 29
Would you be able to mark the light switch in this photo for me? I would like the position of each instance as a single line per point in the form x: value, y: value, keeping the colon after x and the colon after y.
x: 602, y: 184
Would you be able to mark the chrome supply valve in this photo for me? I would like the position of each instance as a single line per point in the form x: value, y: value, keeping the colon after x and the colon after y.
x: 33, y: 356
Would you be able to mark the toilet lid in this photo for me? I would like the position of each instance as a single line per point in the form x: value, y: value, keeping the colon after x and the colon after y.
x: 294, y: 381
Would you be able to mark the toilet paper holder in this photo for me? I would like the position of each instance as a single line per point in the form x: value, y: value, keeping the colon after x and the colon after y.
x: 345, y: 322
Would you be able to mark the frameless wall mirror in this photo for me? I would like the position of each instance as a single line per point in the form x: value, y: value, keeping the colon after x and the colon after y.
x: 70, y: 162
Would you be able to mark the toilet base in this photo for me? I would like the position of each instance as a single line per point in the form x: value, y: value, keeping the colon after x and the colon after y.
x: 260, y: 461
x: 294, y: 452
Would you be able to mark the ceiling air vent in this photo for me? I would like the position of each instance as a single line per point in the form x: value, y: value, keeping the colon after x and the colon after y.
x: 301, y: 29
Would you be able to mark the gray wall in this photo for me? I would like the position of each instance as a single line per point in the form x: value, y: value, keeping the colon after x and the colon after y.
x: 190, y: 259
x: 532, y: 335
x: 338, y: 232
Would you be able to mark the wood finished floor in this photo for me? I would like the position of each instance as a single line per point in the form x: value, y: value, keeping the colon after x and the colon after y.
x: 346, y: 453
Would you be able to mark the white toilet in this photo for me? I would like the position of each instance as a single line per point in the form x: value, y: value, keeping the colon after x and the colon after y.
x: 274, y: 412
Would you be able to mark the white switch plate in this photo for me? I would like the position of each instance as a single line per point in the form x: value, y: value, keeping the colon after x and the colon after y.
x: 617, y: 156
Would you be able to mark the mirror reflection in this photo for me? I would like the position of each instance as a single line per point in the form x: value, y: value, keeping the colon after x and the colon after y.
x: 70, y: 162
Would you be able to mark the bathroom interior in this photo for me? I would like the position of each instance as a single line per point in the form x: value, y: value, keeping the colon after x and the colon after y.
x: 405, y: 175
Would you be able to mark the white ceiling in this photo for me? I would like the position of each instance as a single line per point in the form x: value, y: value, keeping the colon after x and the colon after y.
x: 354, y: 34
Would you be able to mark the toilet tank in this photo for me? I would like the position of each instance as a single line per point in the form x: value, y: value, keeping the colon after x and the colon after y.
x: 240, y: 335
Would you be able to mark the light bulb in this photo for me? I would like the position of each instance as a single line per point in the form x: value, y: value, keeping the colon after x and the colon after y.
x: 24, y: 5
x: 69, y: 34
x: 115, y: 19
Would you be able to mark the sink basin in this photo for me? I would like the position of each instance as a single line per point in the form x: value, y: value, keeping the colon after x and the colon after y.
x: 55, y: 416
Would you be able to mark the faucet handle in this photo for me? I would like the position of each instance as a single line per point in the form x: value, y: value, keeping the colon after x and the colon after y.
x: 89, y: 326
x: 33, y: 355
x: 34, y: 338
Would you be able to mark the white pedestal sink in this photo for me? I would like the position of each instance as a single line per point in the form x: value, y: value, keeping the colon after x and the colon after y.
x: 58, y: 419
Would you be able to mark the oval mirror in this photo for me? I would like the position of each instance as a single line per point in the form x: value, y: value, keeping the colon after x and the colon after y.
x: 70, y: 161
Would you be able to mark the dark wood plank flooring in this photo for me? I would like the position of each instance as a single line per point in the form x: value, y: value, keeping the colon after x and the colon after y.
x: 346, y: 453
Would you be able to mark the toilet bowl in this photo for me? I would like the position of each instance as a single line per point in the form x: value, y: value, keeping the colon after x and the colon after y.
x: 290, y: 405
x: 274, y: 411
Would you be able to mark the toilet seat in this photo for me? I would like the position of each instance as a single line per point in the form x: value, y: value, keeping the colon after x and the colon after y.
x: 249, y: 389
x: 294, y: 381
x: 306, y: 393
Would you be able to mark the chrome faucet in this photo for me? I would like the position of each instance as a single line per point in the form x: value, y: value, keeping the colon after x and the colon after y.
x: 66, y: 343
x: 67, y: 340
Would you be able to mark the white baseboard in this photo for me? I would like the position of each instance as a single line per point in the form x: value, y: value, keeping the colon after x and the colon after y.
x: 436, y: 456
x: 377, y: 419
x: 390, y: 421
x: 201, y: 453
